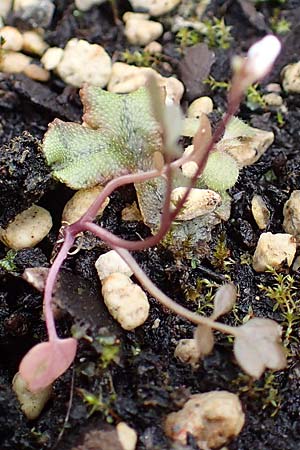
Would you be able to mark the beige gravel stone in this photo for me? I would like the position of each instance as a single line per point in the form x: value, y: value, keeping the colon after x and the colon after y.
x: 5, y: 7
x: 36, y: 72
x: 247, y: 150
x: 83, y: 62
x: 198, y: 203
x: 155, y: 7
x: 291, y: 78
x: 80, y: 202
x: 187, y: 351
x: 111, y: 262
x: 31, y: 403
x: 154, y: 48
x: 291, y: 213
x: 260, y: 212
x: 213, y: 418
x: 27, y: 229
x: 142, y: 32
x: 126, y: 78
x: 52, y: 57
x: 273, y: 250
x: 34, y: 43
x: 199, y: 106
x: 13, y: 38
x: 125, y: 301
x: 273, y: 99
x: 85, y: 5
x: 14, y: 62
x: 127, y: 436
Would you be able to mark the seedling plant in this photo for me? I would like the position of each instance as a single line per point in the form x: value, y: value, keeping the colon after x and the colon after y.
x: 133, y: 139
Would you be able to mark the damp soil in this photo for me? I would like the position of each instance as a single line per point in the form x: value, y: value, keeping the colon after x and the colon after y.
x: 145, y: 381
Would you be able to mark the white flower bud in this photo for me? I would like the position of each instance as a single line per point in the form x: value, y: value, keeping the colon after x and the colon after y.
x: 261, y: 57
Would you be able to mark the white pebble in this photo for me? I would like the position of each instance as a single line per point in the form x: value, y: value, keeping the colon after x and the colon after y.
x: 34, y: 43
x: 189, y: 168
x: 155, y: 7
x: 127, y: 436
x: 126, y: 78
x: 36, y: 72
x: 187, y: 351
x: 291, y: 78
x: 13, y: 38
x: 80, y: 202
x: 291, y: 213
x: 83, y: 62
x: 14, y: 62
x: 31, y: 403
x: 273, y: 250
x: 154, y: 48
x: 198, y: 203
x: 5, y: 7
x: 273, y: 99
x: 260, y: 212
x: 212, y: 418
x: 111, y: 262
x: 199, y: 106
x: 85, y: 5
x: 125, y: 300
x: 249, y: 149
x: 52, y: 57
x: 27, y: 229
x: 141, y: 32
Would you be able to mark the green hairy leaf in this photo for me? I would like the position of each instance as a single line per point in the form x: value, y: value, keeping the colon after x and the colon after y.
x: 119, y: 135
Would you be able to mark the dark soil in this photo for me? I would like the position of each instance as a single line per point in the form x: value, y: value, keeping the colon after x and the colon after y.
x: 146, y: 382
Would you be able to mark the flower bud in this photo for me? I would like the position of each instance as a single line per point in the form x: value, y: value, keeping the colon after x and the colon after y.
x: 261, y: 57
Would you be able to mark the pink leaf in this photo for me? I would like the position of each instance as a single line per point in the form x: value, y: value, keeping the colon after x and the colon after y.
x: 45, y: 362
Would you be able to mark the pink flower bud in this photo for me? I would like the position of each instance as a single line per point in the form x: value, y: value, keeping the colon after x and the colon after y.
x: 261, y: 57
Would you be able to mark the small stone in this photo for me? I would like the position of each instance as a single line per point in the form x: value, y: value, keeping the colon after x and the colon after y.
x: 291, y: 213
x: 260, y: 212
x: 111, y: 262
x: 198, y: 203
x: 213, y: 418
x: 31, y: 403
x: 34, y: 43
x: 273, y: 87
x: 13, y: 38
x: 141, y: 32
x: 27, y: 229
x: 131, y: 213
x: 190, y: 168
x: 36, y: 72
x: 38, y: 13
x: 85, y: 5
x: 273, y: 250
x: 52, y: 57
x: 202, y: 105
x: 187, y: 351
x: 291, y: 78
x: 247, y: 150
x: 154, y: 48
x: 80, y: 202
x: 273, y: 99
x: 14, y: 62
x: 83, y: 62
x: 154, y: 7
x: 132, y: 15
x: 5, y: 7
x: 127, y: 436
x: 126, y: 78
x: 125, y: 301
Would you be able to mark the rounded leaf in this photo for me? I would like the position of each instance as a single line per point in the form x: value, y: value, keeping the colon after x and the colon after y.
x: 45, y: 362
